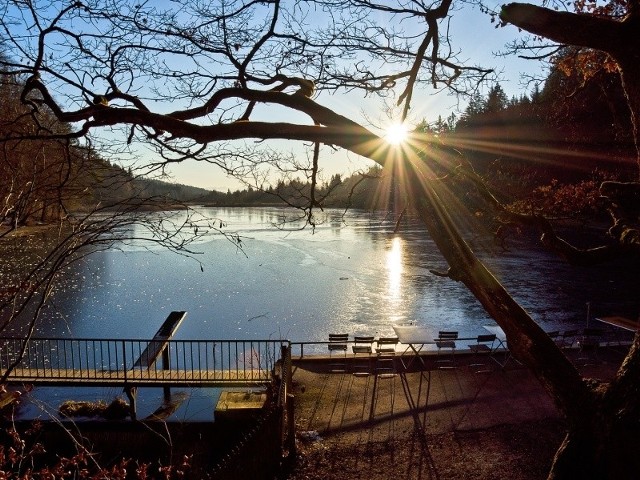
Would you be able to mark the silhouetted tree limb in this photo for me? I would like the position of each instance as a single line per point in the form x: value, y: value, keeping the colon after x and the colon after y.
x: 617, y: 37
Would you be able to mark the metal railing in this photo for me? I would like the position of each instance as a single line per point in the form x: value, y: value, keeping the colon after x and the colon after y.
x: 118, y: 361
x: 320, y: 347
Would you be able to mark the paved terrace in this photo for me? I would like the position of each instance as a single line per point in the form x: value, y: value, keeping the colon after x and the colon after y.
x: 389, y: 423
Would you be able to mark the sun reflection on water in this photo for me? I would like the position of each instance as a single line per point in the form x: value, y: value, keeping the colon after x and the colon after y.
x: 394, y: 268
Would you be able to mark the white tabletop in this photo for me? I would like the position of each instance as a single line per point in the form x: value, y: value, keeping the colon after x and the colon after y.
x: 413, y: 334
x: 621, y: 322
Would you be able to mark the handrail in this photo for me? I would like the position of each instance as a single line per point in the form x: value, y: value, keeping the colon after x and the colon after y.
x: 199, y: 361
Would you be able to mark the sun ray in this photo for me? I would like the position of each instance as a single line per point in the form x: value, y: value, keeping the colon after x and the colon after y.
x: 394, y: 268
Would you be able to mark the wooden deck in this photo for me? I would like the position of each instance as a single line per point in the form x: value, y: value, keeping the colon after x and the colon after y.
x: 141, y: 377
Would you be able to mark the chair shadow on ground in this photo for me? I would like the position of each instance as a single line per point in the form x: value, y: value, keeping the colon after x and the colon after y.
x: 400, y: 420
x: 394, y: 412
x: 383, y: 416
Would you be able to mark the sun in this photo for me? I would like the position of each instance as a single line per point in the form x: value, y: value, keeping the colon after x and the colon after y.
x: 396, y: 133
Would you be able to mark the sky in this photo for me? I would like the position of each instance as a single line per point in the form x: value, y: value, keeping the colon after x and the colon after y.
x: 472, y: 33
x: 479, y: 42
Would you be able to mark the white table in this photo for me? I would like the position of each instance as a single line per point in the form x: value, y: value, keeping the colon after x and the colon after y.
x: 415, y: 337
x: 620, y: 322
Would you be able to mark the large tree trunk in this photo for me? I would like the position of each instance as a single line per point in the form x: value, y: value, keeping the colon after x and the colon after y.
x: 603, y: 435
x: 603, y: 446
x: 606, y: 442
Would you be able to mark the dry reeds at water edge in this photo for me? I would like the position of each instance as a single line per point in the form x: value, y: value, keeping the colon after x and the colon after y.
x: 118, y: 409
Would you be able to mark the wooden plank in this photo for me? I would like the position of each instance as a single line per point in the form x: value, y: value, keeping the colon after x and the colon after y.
x: 620, y: 322
x: 142, y: 377
x: 159, y: 342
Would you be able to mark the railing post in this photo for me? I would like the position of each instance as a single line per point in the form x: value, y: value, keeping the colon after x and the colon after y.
x: 124, y: 360
x: 288, y: 409
x: 286, y: 361
x: 165, y: 366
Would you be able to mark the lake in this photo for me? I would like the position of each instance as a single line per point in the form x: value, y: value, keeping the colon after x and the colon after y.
x: 351, y: 274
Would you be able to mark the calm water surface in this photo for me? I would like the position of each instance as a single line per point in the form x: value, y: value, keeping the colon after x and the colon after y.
x: 351, y: 275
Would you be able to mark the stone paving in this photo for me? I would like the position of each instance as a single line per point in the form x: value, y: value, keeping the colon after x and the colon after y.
x: 434, y: 401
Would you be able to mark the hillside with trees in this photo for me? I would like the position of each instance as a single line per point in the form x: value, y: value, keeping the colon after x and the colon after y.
x: 44, y: 180
x: 566, y: 130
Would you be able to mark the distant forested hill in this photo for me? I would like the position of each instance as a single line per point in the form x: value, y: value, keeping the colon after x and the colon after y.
x: 172, y: 191
x: 356, y: 191
x: 44, y: 178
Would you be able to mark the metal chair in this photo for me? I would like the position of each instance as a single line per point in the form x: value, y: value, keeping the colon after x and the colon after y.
x: 446, y: 344
x: 338, y: 343
x: 362, y: 345
x: 484, y: 346
x: 385, y: 356
x: 588, y: 345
